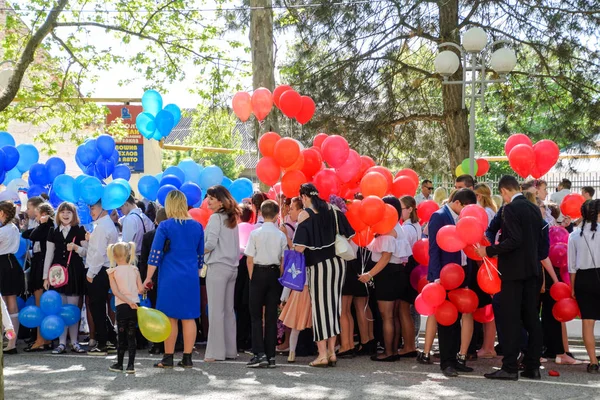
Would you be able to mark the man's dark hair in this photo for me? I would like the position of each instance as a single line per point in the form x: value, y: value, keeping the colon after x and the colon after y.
x: 35, y: 200
x: 464, y: 196
x: 246, y: 213
x: 425, y: 182
x: 566, y: 184
x: 467, y: 180
x: 509, y: 183
x: 269, y: 209
x: 589, y: 190
x: 131, y: 200
x: 141, y: 206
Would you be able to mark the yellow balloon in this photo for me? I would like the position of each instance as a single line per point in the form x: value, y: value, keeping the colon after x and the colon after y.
x: 459, y: 171
x: 154, y: 325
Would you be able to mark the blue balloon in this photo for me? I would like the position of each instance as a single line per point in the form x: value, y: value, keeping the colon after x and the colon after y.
x: 80, y: 179
x: 20, y: 303
x: 175, y: 111
x: 90, y: 170
x: 70, y: 314
x: 145, y: 124
x: 226, y: 182
x: 28, y: 155
x: 124, y: 183
x: 210, y: 176
x: 192, y: 192
x: 82, y: 157
x: 50, y: 302
x: 156, y: 135
x: 113, y: 306
x: 11, y: 157
x: 163, y: 192
x: 30, y: 301
x: 6, y: 139
x: 66, y: 188
x: 148, y: 187
x: 22, y: 252
x: 178, y: 172
x: 159, y: 176
x: 31, y: 316
x: 170, y: 180
x: 121, y: 171
x: 90, y: 190
x: 191, y: 170
x: 83, y: 211
x: 91, y: 149
x: 39, y: 174
x: 2, y: 175
x: 164, y: 122
x: 104, y: 167
x: 241, y: 189
x: 35, y: 190
x: 145, y: 302
x: 105, y: 145
x: 55, y: 167
x: 114, y: 196
x: 52, y: 327
x: 12, y: 175
x: 152, y: 102
x: 2, y: 160
x: 115, y: 157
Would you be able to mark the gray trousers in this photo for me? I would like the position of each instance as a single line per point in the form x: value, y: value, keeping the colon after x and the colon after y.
x: 220, y: 288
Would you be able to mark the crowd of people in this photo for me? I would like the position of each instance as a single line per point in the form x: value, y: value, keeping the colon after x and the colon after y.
x: 216, y: 289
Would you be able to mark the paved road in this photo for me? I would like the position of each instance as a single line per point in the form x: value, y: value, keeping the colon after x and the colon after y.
x: 43, y: 376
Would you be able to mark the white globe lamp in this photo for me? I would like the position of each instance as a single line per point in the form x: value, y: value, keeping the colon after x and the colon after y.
x: 474, y: 40
x: 446, y: 63
x: 503, y: 60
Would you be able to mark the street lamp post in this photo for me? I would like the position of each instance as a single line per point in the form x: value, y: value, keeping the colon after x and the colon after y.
x: 474, y: 54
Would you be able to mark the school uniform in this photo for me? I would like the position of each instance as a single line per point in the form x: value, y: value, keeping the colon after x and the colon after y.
x: 584, y: 261
x: 12, y: 278
x: 57, y: 240
x: 38, y: 236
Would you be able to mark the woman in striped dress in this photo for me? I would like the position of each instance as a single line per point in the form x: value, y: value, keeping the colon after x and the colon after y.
x: 315, y: 237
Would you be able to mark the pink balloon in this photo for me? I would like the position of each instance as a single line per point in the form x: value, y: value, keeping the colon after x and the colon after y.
x: 350, y: 168
x: 244, y: 230
x: 274, y: 191
x: 558, y: 234
x: 335, y: 151
x: 565, y: 277
x: 558, y: 255
x: 242, y: 106
x: 422, y: 307
x: 416, y: 274
x: 262, y: 103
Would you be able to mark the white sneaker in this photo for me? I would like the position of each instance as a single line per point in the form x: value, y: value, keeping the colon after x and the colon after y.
x: 92, y: 343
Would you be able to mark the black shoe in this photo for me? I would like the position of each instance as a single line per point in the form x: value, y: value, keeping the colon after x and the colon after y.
x: 116, y: 367
x: 450, y: 372
x: 272, y: 363
x: 258, y: 362
x: 186, y: 361
x: 503, y: 375
x: 346, y: 354
x: 531, y: 374
x: 593, y: 368
x: 461, y: 364
x: 410, y: 354
x: 391, y: 358
x: 367, y: 349
x: 166, y: 362
x: 98, y: 351
x: 11, y: 351
x: 130, y: 369
x: 423, y: 358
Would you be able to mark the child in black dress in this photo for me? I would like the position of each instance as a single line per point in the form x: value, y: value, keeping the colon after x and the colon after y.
x: 64, y: 247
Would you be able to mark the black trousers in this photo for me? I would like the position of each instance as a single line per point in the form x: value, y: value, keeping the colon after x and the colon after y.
x: 449, y: 341
x: 519, y: 310
x: 241, y: 305
x: 126, y: 336
x: 265, y: 291
x: 98, y: 290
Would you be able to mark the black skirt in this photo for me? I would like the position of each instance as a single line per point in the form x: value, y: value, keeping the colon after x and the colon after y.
x: 352, y: 286
x: 36, y: 273
x: 387, y: 282
x: 406, y: 292
x: 12, y: 278
x: 76, y: 283
x: 587, y: 293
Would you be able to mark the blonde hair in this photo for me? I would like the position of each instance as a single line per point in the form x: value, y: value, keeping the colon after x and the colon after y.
x: 498, y: 200
x: 176, y: 206
x: 486, y: 196
x: 121, y: 250
x: 439, y: 195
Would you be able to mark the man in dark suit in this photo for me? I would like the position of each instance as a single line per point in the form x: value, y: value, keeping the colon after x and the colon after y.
x: 448, y: 336
x: 518, y: 263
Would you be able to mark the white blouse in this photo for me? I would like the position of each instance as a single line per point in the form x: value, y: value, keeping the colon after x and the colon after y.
x: 413, y: 232
x: 10, y: 239
x: 584, y: 255
x: 398, y: 246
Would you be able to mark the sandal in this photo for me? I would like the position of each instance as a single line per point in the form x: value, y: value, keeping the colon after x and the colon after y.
x: 60, y: 349
x: 186, y: 361
x: 330, y: 362
x: 166, y: 362
x: 35, y: 349
x: 318, y: 364
x: 76, y: 348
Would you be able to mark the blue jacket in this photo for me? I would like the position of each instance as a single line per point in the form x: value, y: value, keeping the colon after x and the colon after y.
x: 438, y: 258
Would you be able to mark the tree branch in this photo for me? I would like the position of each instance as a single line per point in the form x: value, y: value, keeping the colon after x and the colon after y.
x: 414, y: 118
x: 68, y: 49
x: 469, y: 15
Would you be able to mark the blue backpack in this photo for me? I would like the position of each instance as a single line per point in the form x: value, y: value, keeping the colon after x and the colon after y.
x: 294, y: 270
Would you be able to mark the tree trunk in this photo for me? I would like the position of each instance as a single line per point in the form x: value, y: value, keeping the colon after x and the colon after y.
x: 456, y: 118
x: 263, y: 61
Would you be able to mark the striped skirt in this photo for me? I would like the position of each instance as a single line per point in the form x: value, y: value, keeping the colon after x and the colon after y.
x: 325, y: 281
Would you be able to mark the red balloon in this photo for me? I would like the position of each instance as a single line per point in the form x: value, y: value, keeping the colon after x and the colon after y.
x: 312, y: 162
x: 516, y: 139
x: 335, y: 151
x: 422, y: 307
x: 484, y: 314
x: 290, y: 183
x: 465, y: 300
x: 242, y: 105
x: 546, y: 156
x: 421, y: 284
x: 306, y: 111
x: 483, y: 166
x: 434, y: 294
x: 565, y: 310
x: 404, y: 186
x: 388, y: 222
x: 420, y: 271
x: 266, y: 144
x: 287, y: 151
x: 350, y: 168
x: 470, y: 230
x: 470, y: 250
x: 558, y: 255
x: 411, y: 174
x: 426, y: 209
x: 363, y: 238
x: 448, y: 240
x: 421, y: 251
x: 297, y: 166
x: 262, y: 103
x: 522, y: 160
x: 274, y: 191
x: 476, y: 211
x: 200, y: 215
x: 446, y: 314
x: 571, y: 205
x: 290, y: 103
x: 353, y: 216
x: 279, y: 90
x: 372, y: 209
x: 560, y: 290
x: 373, y: 184
x: 327, y: 183
x: 386, y: 173
x: 488, y: 282
x: 558, y: 234
x: 268, y: 171
x: 319, y: 139
x: 452, y: 276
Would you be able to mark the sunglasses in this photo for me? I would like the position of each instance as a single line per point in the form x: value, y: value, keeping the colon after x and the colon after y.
x: 430, y: 188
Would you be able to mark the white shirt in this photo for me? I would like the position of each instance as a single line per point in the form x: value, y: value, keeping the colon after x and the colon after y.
x: 104, y: 233
x: 580, y: 255
x: 135, y: 224
x: 421, y: 198
x: 266, y: 245
x: 32, y: 224
x: 413, y: 232
x: 559, y: 196
x: 398, y: 246
x: 126, y: 277
x: 10, y: 239
x: 490, y: 213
